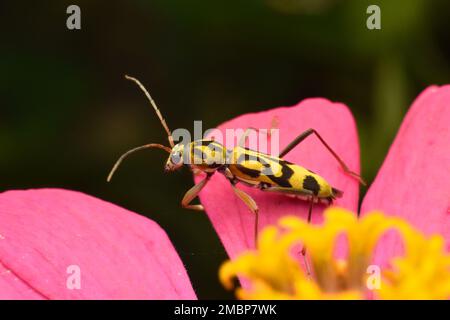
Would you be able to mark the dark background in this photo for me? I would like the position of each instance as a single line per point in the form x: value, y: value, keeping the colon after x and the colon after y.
x: 67, y: 113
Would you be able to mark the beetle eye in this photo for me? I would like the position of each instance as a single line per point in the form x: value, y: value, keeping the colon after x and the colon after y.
x: 175, y: 158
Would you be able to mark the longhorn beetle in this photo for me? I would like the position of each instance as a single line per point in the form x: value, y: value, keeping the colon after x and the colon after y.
x: 265, y: 172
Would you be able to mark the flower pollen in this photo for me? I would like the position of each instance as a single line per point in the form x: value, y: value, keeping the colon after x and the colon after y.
x: 274, y: 270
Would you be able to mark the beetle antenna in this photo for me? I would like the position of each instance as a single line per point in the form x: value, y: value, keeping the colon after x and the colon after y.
x: 126, y: 154
x: 152, y: 102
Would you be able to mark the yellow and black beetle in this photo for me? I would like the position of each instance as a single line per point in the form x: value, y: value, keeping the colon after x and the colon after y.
x: 267, y: 173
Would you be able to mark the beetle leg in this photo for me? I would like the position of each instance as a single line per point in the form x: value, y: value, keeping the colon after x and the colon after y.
x: 193, y: 192
x: 251, y: 204
x: 196, y: 171
x: 306, y: 134
x: 311, y: 204
x: 311, y: 197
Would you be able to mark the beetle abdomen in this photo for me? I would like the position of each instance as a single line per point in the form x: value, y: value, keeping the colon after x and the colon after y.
x: 254, y: 167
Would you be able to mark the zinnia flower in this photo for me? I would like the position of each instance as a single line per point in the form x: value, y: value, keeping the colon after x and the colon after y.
x: 120, y: 255
x: 48, y: 236
x: 412, y: 183
x: 274, y: 271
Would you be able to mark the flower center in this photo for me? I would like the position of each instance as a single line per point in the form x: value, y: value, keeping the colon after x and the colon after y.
x: 275, y: 271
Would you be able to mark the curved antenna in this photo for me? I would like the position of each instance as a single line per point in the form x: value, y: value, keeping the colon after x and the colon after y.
x: 126, y: 154
x: 152, y: 102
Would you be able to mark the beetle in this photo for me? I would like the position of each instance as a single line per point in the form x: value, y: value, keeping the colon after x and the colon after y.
x: 243, y: 165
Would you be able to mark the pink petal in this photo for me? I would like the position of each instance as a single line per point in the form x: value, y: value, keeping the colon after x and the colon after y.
x: 12, y: 287
x: 414, y: 182
x: 232, y: 219
x: 121, y: 255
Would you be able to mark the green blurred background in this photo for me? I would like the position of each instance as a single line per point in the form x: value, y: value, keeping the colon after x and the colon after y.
x: 67, y: 113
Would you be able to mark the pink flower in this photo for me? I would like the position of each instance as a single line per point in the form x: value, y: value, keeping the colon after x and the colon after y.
x: 48, y: 236
x: 413, y: 182
x: 120, y: 255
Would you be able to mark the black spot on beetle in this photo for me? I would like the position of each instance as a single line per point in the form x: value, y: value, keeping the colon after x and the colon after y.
x: 286, y: 174
x: 311, y: 184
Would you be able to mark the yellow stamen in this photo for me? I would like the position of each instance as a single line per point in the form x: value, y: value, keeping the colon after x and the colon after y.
x: 274, y: 270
